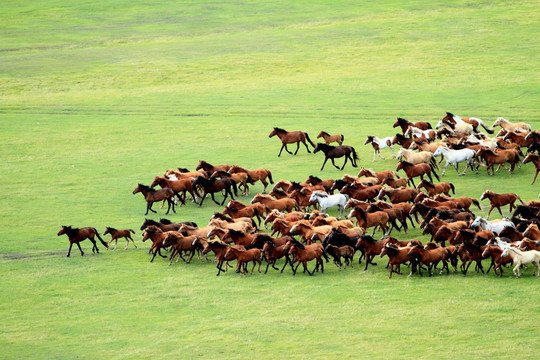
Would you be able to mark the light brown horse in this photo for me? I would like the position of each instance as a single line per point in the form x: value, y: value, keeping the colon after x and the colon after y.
x: 498, y: 158
x: 302, y: 254
x: 76, y: 235
x: 291, y: 137
x: 309, y: 232
x: 398, y: 195
x: 518, y: 138
x: 331, y: 138
x: 255, y: 175
x: 381, y: 175
x: 420, y: 170
x: 498, y: 200
x: 243, y: 257
x: 430, y: 258
x: 285, y: 204
x: 151, y: 196
x: 535, y: 159
x: 375, y: 219
x: 434, y: 189
x: 505, y: 124
x: 395, y: 183
x: 181, y: 243
x: 117, y: 234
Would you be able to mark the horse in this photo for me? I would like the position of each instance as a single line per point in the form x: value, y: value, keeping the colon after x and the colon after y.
x: 302, y: 254
x: 116, y: 234
x: 332, y: 152
x: 211, y: 186
x: 454, y: 157
x: 429, y: 257
x: 405, y: 142
x: 243, y: 257
x: 497, y: 261
x: 151, y: 196
x: 517, y: 127
x: 398, y: 195
x: 518, y: 138
x: 498, y: 200
x: 255, y: 175
x: 219, y: 248
x: 379, y: 144
x: 396, y: 257
x: 273, y: 252
x: 179, y: 186
x: 314, y: 180
x: 241, y: 179
x: 157, y: 236
x: 369, y: 248
x: 326, y: 201
x: 495, y: 226
x: 475, y: 122
x: 523, y: 258
x: 395, y: 183
x: 331, y: 138
x: 422, y: 135
x: 474, y: 253
x: 211, y: 168
x: 285, y: 204
x: 532, y: 232
x: 181, y: 243
x: 413, y: 171
x: 405, y: 124
x: 347, y: 252
x: 422, y: 157
x: 291, y: 137
x: 309, y: 232
x: 381, y: 175
x: 76, y: 235
x: 165, y: 225
x: 375, y: 219
x: 457, y: 129
x: 535, y: 159
x: 362, y: 194
x: 500, y: 157
x: 434, y: 189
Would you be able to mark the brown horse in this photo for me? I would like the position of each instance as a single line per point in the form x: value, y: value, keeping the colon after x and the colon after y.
x: 255, y: 175
x: 396, y: 257
x: 273, y: 252
x: 331, y: 138
x: 212, y: 186
x: 375, y: 219
x: 243, y: 257
x: 497, y: 260
x: 499, y: 158
x: 381, y: 175
x: 367, y: 193
x: 405, y: 124
x: 430, y: 258
x: 420, y: 170
x: 180, y: 186
x: 498, y: 200
x: 302, y: 254
x: 236, y: 213
x: 181, y: 243
x: 219, y: 248
x: 151, y: 196
x: 165, y: 225
x: 395, y: 183
x: 370, y: 248
x: 285, y: 204
x: 314, y: 180
x: 211, y: 168
x: 157, y: 236
x: 518, y: 138
x: 76, y: 235
x: 434, y: 189
x: 535, y: 159
x: 116, y: 234
x: 398, y: 195
x: 405, y: 142
x: 333, y: 152
x: 241, y: 179
x: 291, y: 137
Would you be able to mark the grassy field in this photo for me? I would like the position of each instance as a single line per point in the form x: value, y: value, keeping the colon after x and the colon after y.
x: 96, y: 97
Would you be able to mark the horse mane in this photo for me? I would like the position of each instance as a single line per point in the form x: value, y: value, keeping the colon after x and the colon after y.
x: 406, y: 163
x: 321, y: 194
x: 237, y: 232
x: 111, y: 228
x: 154, y: 229
x: 297, y: 243
x: 401, y: 137
x: 165, y: 221
x: 368, y: 238
x: 402, y: 120
x: 429, y: 184
x: 266, y: 238
x: 325, y: 133
x: 218, y: 215
x: 280, y: 130
x: 221, y: 173
x: 324, y: 146
x: 183, y: 170
x: 280, y: 192
x: 313, y: 177
x: 218, y: 243
x: 147, y: 188
x: 238, y: 167
x: 450, y: 114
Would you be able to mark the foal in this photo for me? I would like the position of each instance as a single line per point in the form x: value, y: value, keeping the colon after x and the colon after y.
x: 117, y: 234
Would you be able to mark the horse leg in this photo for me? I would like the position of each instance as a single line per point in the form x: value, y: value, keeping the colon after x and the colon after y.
x: 80, y: 249
x: 333, y: 163
x: 324, y: 163
x: 375, y: 155
x: 305, y: 146
x: 69, y: 251
x: 149, y: 208
x: 535, y: 175
x: 346, y: 157
x: 489, y: 212
x: 202, y: 199
x: 212, y: 195
x: 94, y: 246
x: 284, y: 146
x: 298, y: 147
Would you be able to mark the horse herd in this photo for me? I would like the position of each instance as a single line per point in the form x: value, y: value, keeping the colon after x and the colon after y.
x: 301, y: 231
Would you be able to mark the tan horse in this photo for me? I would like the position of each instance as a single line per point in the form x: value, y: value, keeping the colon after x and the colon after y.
x: 331, y: 138
x: 517, y: 127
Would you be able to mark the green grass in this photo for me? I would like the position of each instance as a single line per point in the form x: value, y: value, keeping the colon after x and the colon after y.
x: 98, y: 96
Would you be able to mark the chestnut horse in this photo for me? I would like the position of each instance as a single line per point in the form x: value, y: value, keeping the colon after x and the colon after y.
x: 76, y: 235
x: 302, y: 254
x: 413, y: 171
x: 151, y: 196
x: 405, y: 124
x: 498, y: 200
x: 434, y: 189
x: 243, y: 257
x: 255, y: 175
x: 331, y: 138
x: 535, y: 159
x: 116, y: 234
x: 211, y: 168
x: 219, y: 248
x: 180, y: 186
x: 500, y: 157
x: 333, y: 152
x: 291, y: 137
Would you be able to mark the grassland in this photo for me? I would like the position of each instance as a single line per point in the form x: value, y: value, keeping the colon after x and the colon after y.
x: 98, y: 96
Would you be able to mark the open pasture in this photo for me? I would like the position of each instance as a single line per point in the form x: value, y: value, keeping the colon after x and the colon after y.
x: 97, y: 97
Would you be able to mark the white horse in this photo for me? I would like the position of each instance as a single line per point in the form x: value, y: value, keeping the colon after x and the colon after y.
x: 379, y: 144
x: 523, y: 258
x: 496, y: 226
x: 454, y: 157
x: 326, y: 201
x: 414, y: 157
x: 462, y: 127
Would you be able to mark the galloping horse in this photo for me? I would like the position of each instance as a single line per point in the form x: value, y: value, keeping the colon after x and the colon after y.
x: 151, y: 196
x: 326, y: 201
x: 535, y: 159
x: 523, y: 258
x: 498, y: 200
x: 500, y: 157
x: 76, y: 235
x: 255, y: 175
x: 291, y: 137
x: 117, y: 234
x: 434, y: 189
x: 211, y: 168
x: 302, y: 254
x: 405, y: 124
x: 332, y: 152
x: 413, y: 171
x: 454, y: 157
x: 475, y: 122
x: 517, y: 127
x: 379, y: 144
x: 214, y: 185
x: 331, y: 138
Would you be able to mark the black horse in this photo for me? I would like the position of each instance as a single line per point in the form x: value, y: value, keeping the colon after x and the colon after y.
x: 212, y: 185
x: 332, y: 152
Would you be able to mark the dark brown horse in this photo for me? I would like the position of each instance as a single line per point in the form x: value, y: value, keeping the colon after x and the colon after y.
x: 76, y: 235
x: 151, y: 196
x: 219, y: 248
x: 291, y: 137
x: 498, y: 200
x: 212, y: 186
x: 117, y: 234
x: 405, y: 124
x: 413, y: 171
x: 333, y: 152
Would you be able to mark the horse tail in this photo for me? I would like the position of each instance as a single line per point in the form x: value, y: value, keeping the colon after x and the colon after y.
x: 355, y: 157
x: 308, y: 139
x: 270, y: 176
x: 342, y: 138
x: 179, y: 197
x: 453, y: 188
x: 132, y: 231
x: 434, y: 173
x: 477, y: 203
x: 250, y: 179
x: 100, y: 239
x: 522, y: 203
x: 233, y: 183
